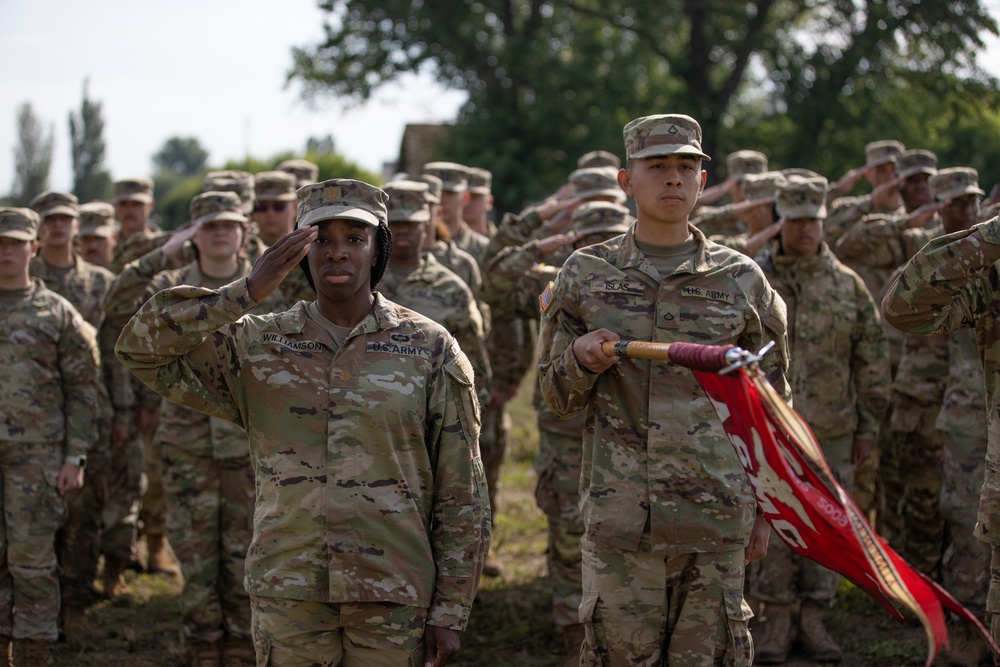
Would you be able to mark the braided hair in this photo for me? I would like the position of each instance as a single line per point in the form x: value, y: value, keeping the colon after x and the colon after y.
x: 383, y: 245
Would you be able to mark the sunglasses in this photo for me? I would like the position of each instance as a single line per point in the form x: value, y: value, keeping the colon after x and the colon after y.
x: 276, y: 206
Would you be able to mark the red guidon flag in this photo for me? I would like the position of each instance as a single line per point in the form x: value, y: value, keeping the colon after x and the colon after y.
x: 797, y: 491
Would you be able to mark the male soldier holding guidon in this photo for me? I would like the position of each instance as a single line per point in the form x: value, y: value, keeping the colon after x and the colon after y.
x: 669, y: 515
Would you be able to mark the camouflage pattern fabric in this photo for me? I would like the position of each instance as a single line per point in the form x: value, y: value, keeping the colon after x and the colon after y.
x: 845, y: 212
x: 965, y: 562
x: 136, y: 246
x: 470, y: 241
x: 628, y: 594
x: 460, y: 263
x: 638, y: 467
x: 380, y: 496
x: 289, y: 633
x: 718, y: 221
x: 84, y: 285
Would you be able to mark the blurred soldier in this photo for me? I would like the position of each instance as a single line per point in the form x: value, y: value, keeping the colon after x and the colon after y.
x: 208, y: 479
x: 232, y: 180
x: 371, y: 522
x: 840, y: 385
x: 513, y: 282
x: 446, y: 251
x: 598, y: 159
x: 274, y: 205
x: 97, y: 233
x: 133, y: 202
x: 475, y: 212
x: 738, y: 165
x: 304, y: 171
x: 454, y: 196
x: 669, y: 515
x: 48, y: 410
x: 880, y: 171
x: 756, y: 211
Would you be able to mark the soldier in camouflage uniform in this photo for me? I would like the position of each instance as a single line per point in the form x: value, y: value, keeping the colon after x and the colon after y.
x: 446, y: 251
x: 304, y: 171
x: 727, y: 220
x: 475, y: 211
x: 97, y: 233
x: 598, y: 159
x: 48, y: 410
x: 274, y: 205
x: 454, y: 195
x: 880, y: 171
x: 133, y: 202
x: 840, y: 381
x: 371, y: 522
x: 513, y: 282
x: 669, y: 515
x: 756, y: 211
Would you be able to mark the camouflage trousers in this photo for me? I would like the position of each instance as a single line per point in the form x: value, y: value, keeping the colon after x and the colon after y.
x: 33, y: 510
x: 210, y: 524
x: 493, y: 446
x: 643, y: 609
x: 557, y: 494
x: 965, y: 563
x: 102, y: 518
x: 910, y: 471
x: 302, y: 633
x: 153, y: 511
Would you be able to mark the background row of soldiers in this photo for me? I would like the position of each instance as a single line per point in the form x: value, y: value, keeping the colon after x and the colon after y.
x: 482, y: 282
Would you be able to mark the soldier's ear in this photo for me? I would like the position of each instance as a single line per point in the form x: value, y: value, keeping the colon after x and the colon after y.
x: 625, y: 181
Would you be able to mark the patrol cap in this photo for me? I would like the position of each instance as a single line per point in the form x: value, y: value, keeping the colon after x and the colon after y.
x: 761, y: 186
x: 97, y: 219
x: 18, y: 223
x: 880, y: 152
x: 596, y: 182
x: 274, y: 186
x: 663, y: 134
x: 454, y: 176
x: 231, y: 180
x: 745, y: 162
x: 800, y: 172
x: 954, y: 182
x: 340, y: 198
x: 407, y: 201
x: 601, y: 217
x: 133, y: 189
x: 598, y: 159
x: 915, y: 162
x: 480, y: 181
x: 802, y: 198
x: 216, y: 205
x: 434, y: 186
x: 54, y: 203
x: 304, y: 171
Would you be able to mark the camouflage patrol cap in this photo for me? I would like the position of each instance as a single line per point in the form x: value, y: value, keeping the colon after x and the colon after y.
x: 745, y: 162
x: 480, y: 181
x: 55, y: 203
x: 454, y: 177
x: 663, y: 134
x: 880, y: 152
x: 434, y: 186
x: 761, y: 186
x: 341, y: 198
x: 133, y: 189
x: 304, y: 171
x: 18, y: 223
x: 598, y: 159
x: 601, y: 217
x: 407, y: 201
x: 97, y: 218
x: 915, y: 162
x: 802, y: 198
x: 954, y: 182
x: 274, y: 186
x: 800, y: 172
x: 216, y: 205
x: 596, y: 182
x: 231, y: 180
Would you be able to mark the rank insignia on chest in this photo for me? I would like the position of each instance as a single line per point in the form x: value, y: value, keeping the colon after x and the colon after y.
x: 546, y: 298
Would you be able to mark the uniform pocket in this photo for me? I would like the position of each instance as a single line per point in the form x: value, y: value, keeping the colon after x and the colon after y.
x: 739, y: 646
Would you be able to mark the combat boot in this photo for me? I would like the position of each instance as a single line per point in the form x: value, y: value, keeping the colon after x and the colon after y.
x: 817, y: 642
x: 74, y: 622
x: 205, y: 654
x: 773, y: 637
x: 160, y: 561
x: 969, y: 648
x: 238, y: 653
x: 114, y: 582
x: 31, y: 653
x: 492, y: 568
x: 6, y: 659
x: 573, y: 636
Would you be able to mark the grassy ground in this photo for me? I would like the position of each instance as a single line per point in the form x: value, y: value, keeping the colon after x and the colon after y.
x: 511, y: 623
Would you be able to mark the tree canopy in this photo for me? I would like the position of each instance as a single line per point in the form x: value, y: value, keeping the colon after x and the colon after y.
x: 184, y: 156
x: 32, y: 157
x: 86, y: 132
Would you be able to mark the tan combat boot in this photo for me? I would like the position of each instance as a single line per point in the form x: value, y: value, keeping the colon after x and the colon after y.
x: 114, y: 582
x: 773, y: 637
x: 205, y: 654
x: 31, y: 653
x: 817, y: 642
x: 74, y: 623
x: 238, y: 653
x: 969, y: 647
x: 160, y: 560
x: 573, y: 636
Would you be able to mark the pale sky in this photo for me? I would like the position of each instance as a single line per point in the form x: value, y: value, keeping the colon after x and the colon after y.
x: 213, y: 69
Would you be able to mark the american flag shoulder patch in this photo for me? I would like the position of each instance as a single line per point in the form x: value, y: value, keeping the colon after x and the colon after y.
x: 546, y: 298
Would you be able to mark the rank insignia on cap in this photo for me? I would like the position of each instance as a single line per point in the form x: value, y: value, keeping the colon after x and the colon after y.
x: 672, y: 130
x: 546, y: 298
x: 331, y: 193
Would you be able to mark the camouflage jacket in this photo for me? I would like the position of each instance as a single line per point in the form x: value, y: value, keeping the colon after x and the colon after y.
x: 839, y: 370
x: 845, y: 212
x: 964, y: 407
x: 136, y: 246
x: 654, y: 448
x: 50, y: 356
x: 718, y: 220
x: 370, y: 486
x: 437, y: 293
x: 460, y: 263
x: 470, y: 241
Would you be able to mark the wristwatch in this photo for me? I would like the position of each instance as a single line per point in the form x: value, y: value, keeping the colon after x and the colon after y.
x: 79, y: 461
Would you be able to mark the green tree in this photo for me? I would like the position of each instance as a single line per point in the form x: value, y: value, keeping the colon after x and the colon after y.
x: 86, y: 132
x: 181, y: 155
x: 32, y: 157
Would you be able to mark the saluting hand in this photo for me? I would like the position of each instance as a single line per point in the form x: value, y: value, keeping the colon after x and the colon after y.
x: 278, y: 261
